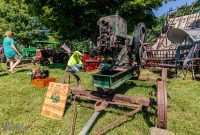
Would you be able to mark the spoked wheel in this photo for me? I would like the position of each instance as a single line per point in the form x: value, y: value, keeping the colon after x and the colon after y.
x: 162, y: 105
x: 139, y: 39
x: 140, y: 35
x: 72, y: 79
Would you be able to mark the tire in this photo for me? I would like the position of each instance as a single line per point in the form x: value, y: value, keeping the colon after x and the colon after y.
x: 45, y: 62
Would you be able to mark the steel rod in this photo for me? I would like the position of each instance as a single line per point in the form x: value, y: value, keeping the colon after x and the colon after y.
x: 181, y: 18
x: 89, y: 124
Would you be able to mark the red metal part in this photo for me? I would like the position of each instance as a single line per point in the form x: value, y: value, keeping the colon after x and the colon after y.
x: 85, y: 57
x: 39, y: 54
x: 117, y: 99
x: 91, y: 64
x: 105, y: 98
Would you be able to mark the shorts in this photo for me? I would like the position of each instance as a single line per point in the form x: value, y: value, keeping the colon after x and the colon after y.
x: 75, y: 68
x: 15, y: 57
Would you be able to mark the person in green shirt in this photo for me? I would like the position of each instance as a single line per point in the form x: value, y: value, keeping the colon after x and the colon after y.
x: 11, y: 51
x: 75, y: 62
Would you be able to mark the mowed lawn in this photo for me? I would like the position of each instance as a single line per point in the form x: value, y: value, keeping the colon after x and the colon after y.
x: 21, y: 104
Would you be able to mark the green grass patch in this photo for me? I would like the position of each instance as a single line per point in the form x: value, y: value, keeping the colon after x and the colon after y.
x: 21, y: 103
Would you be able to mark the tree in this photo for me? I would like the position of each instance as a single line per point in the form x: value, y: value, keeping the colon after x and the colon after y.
x: 69, y: 19
x: 15, y: 16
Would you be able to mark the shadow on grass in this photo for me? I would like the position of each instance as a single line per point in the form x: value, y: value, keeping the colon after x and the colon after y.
x: 24, y: 65
x: 4, y: 74
x: 57, y: 66
x: 69, y: 102
x: 124, y: 87
x: 118, y: 125
x: 130, y: 84
x: 23, y: 70
x: 171, y: 72
x: 147, y: 115
x: 103, y: 113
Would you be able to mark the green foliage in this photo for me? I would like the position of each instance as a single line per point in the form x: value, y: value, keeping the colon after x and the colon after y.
x: 15, y: 16
x: 77, y: 45
x: 155, y: 31
x: 77, y: 19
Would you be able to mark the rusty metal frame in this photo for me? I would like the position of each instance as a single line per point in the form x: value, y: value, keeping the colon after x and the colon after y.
x: 136, y: 103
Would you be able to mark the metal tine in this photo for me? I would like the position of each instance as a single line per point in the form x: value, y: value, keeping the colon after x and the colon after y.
x: 181, y: 18
x: 168, y: 16
x: 175, y: 15
x: 196, y: 19
x: 189, y: 16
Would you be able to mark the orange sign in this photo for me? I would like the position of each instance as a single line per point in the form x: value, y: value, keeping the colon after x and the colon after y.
x: 55, y: 101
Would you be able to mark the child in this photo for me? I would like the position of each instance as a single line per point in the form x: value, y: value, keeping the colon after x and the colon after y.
x: 10, y: 51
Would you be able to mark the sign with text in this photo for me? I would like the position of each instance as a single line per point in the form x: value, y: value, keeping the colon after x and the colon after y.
x: 55, y: 101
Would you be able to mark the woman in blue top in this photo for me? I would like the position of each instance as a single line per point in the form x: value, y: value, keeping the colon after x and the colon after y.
x: 10, y: 51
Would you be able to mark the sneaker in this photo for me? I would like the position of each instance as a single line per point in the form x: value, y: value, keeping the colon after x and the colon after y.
x: 11, y: 71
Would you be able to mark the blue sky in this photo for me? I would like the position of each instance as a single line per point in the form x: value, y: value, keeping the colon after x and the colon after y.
x: 172, y: 4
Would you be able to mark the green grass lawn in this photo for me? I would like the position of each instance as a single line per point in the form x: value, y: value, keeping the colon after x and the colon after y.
x: 21, y: 104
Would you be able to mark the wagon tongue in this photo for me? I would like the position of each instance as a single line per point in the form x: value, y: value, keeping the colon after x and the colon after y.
x: 99, y: 106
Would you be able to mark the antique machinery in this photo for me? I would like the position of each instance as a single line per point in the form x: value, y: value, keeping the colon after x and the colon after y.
x: 121, y: 63
x: 49, y: 51
x: 114, y: 42
x: 178, y: 45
